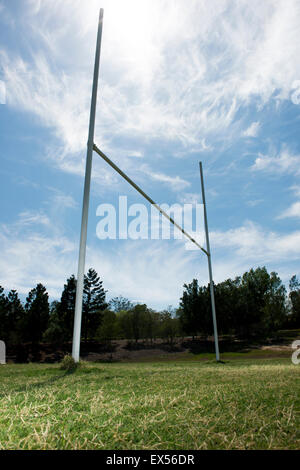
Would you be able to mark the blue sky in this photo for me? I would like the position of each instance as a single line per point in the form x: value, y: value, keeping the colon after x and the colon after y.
x: 180, y: 82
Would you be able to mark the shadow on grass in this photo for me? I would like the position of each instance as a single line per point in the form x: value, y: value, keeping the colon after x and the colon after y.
x: 33, y: 386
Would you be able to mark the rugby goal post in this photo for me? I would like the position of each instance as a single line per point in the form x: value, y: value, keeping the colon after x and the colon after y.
x: 85, y: 208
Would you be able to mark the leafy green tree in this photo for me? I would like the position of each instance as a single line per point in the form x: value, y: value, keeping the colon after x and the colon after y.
x: 124, y: 322
x: 229, y: 304
x: 169, y: 325
x: 133, y: 323
x: 108, y: 330
x: 275, y: 307
x: 118, y: 304
x: 251, y: 305
x: 36, y: 314
x: 294, y: 297
x: 138, y: 316
x: 255, y: 284
x: 194, y: 310
x: 93, y: 303
x: 263, y: 299
x: 152, y: 324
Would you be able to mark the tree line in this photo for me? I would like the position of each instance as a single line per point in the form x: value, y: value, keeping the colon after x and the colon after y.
x: 254, y: 304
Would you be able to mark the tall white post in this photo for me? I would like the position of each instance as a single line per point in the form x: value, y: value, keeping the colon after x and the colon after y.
x: 2, y: 353
x: 86, y: 199
x: 211, y: 283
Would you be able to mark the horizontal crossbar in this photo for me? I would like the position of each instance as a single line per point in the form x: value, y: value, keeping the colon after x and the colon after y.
x: 135, y: 186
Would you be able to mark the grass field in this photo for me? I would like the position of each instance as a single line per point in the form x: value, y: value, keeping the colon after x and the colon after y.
x: 251, y: 404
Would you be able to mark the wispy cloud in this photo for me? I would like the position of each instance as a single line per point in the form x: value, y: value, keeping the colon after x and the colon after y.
x: 2, y: 92
x: 283, y: 162
x: 255, y: 244
x: 36, y: 249
x: 189, y: 198
x: 58, y: 100
x: 180, y: 81
x: 292, y: 211
x: 166, y: 78
x: 254, y: 202
x: 296, y: 190
x: 156, y: 276
x: 175, y: 183
x: 29, y: 217
x: 30, y: 257
x: 60, y: 200
x: 252, y: 130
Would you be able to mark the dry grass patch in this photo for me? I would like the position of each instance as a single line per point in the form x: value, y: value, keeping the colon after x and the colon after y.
x: 238, y: 405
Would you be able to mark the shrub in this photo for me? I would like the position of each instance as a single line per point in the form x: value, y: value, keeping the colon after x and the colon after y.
x: 68, y: 363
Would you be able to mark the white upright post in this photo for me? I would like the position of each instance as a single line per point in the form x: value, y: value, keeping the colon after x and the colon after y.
x: 2, y: 353
x: 86, y: 199
x: 211, y: 283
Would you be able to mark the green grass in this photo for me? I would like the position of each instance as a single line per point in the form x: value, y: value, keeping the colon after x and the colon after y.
x: 236, y: 405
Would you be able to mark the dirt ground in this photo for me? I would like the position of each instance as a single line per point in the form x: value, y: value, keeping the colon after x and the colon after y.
x: 178, y: 349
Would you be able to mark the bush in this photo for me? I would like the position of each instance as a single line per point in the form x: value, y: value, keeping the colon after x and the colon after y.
x: 68, y: 363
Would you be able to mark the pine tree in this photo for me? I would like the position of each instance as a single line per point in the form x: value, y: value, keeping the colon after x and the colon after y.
x: 54, y: 333
x: 60, y: 327
x: 93, y: 303
x: 66, y: 307
x: 15, y: 317
x: 37, y: 314
x: 3, y: 316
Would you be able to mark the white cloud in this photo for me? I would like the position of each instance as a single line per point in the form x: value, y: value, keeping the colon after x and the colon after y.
x: 28, y: 218
x: 254, y: 202
x: 283, y: 162
x: 292, y: 211
x: 29, y: 257
x: 168, y: 78
x: 35, y: 249
x: 189, y: 198
x: 135, y: 154
x: 296, y: 190
x: 151, y: 271
x: 60, y: 200
x: 252, y: 130
x: 182, y: 76
x: 58, y: 100
x: 34, y: 6
x: 256, y: 245
x: 154, y: 276
x: 6, y: 17
x: 176, y: 183
x: 148, y: 271
x: 2, y: 92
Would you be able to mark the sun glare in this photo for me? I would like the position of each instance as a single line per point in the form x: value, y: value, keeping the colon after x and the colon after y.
x: 128, y: 18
